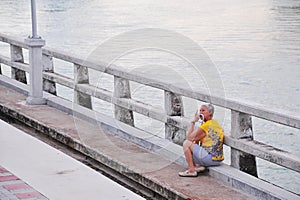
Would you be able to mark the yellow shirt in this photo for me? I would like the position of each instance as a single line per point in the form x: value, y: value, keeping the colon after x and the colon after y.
x: 213, y: 141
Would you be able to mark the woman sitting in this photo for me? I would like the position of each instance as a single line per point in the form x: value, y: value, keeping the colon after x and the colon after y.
x: 203, y: 146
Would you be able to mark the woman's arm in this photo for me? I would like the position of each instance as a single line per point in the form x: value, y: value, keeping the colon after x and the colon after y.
x: 195, y: 135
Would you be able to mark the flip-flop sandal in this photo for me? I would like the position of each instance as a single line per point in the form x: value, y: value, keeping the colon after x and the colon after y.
x: 188, y: 174
x: 200, y: 169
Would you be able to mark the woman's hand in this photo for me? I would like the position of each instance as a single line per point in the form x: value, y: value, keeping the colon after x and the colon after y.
x: 196, y: 117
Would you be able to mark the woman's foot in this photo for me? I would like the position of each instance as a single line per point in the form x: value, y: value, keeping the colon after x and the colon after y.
x: 187, y: 173
x: 199, y: 169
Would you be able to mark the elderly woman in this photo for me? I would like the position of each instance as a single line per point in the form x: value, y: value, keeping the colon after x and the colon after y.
x: 203, y: 146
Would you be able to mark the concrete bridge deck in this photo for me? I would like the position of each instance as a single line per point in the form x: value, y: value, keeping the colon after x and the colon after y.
x: 145, y: 166
x: 127, y: 158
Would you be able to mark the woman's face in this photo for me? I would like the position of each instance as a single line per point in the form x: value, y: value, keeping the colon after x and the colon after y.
x: 204, y: 111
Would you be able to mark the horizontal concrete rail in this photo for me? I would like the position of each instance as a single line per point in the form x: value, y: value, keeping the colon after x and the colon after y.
x: 265, y: 152
x: 60, y: 79
x: 18, y: 65
x: 137, y: 106
x: 254, y: 110
x: 13, y: 40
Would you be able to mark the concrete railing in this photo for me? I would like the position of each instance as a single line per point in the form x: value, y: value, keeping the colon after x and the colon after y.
x: 243, y: 148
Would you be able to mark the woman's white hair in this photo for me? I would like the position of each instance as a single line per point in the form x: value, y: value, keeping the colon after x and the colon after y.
x: 210, y: 108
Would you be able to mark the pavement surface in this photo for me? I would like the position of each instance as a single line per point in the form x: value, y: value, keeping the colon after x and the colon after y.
x: 53, y: 174
x: 13, y: 188
x: 127, y: 158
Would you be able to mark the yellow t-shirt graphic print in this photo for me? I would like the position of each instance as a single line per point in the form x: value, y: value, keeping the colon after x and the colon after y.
x: 213, y: 141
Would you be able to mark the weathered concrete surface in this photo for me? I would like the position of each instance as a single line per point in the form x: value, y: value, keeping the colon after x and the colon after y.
x: 16, y: 54
x: 241, y: 124
x: 137, y: 163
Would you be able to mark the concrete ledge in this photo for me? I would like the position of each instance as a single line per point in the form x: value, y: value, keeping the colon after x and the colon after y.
x: 14, y: 84
x: 249, y: 184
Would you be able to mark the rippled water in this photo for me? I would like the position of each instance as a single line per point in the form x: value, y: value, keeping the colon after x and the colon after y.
x: 254, y: 45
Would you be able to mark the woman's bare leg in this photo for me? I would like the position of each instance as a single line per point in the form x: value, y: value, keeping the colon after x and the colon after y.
x: 188, y: 148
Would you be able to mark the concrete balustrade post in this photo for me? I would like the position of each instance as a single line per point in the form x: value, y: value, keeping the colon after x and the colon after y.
x: 174, y: 107
x: 35, y: 71
x: 81, y: 76
x: 16, y: 55
x: 241, y: 128
x: 48, y: 86
x: 122, y: 90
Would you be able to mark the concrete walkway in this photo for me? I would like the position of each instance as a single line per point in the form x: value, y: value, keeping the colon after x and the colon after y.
x: 52, y: 174
x: 139, y: 164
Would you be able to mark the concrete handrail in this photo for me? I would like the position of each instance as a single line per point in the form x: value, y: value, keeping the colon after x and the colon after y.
x: 251, y: 109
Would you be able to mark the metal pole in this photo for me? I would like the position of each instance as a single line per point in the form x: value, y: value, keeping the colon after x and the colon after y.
x: 33, y: 17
